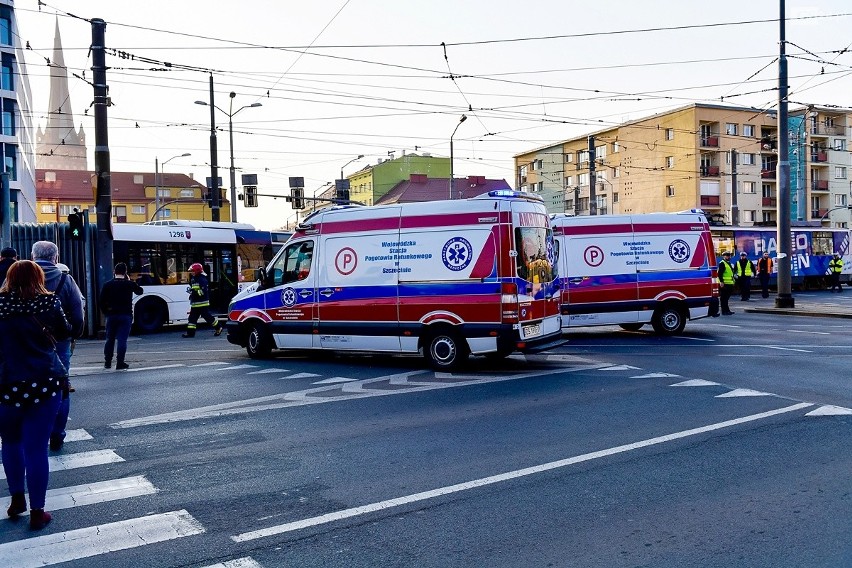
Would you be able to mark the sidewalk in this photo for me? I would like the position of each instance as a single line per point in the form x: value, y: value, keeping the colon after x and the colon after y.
x: 817, y: 304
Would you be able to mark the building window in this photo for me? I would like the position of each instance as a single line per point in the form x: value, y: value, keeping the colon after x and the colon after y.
x: 600, y: 152
x: 68, y: 209
x: 8, y: 117
x: 50, y: 177
x: 165, y: 212
x: 748, y: 159
x: 616, y: 172
x: 11, y: 161
x: 119, y: 211
x: 749, y: 215
x: 583, y: 156
x: 839, y: 173
x: 669, y: 162
x: 139, y: 180
x: 583, y: 179
x: 730, y: 129
x: 138, y: 209
x: 540, y: 186
x: 669, y: 133
x: 615, y: 147
x: 748, y: 130
x: 766, y: 190
x: 8, y: 72
x: 6, y: 25
x: 840, y: 200
x: 569, y: 181
x: 522, y: 171
x: 670, y: 191
x: 569, y: 157
x: 187, y: 193
x: 749, y: 187
x: 584, y: 203
x: 839, y: 143
x: 164, y: 192
x: 615, y: 197
x: 48, y: 208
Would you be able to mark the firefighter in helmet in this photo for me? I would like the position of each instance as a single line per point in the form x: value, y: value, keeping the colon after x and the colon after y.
x: 199, y: 302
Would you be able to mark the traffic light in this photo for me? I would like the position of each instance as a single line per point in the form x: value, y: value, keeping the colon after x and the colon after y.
x: 297, y: 195
x: 250, y: 199
x: 341, y: 190
x: 75, y: 221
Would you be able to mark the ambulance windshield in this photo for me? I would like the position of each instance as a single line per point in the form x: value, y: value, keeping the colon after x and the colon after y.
x: 535, y: 262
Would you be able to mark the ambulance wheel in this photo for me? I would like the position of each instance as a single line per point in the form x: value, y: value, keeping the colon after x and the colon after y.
x: 630, y: 326
x: 669, y: 319
x: 445, y: 351
x: 259, y: 344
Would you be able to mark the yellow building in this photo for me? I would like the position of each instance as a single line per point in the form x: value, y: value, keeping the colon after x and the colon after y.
x: 134, y: 196
x: 682, y: 159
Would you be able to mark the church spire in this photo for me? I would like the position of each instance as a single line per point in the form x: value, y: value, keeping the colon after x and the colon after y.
x: 60, y: 146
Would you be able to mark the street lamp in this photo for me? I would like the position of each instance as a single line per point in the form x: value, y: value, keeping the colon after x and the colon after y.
x: 462, y: 119
x: 157, y: 181
x: 231, y: 113
x: 349, y: 162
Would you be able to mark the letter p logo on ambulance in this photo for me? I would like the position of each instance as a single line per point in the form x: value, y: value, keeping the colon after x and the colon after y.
x: 457, y: 253
x: 679, y: 251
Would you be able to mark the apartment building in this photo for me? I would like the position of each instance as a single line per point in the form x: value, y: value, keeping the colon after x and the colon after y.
x: 718, y: 158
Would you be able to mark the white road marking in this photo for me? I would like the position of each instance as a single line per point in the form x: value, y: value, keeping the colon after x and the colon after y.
x: 787, y: 349
x: 808, y: 331
x: 743, y: 392
x: 654, y: 376
x: 334, y: 380
x: 210, y: 364
x: 264, y: 371
x: 620, y: 368
x: 697, y: 338
x: 247, y: 562
x: 830, y: 410
x: 92, y: 541
x: 100, y: 492
x: 74, y: 370
x: 301, y: 376
x: 80, y: 459
x: 73, y: 436
x: 694, y: 383
x: 136, y: 370
x: 236, y: 367
x: 499, y: 478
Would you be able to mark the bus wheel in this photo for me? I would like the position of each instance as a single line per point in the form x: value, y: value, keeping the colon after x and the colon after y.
x: 630, y: 326
x: 259, y: 344
x: 445, y: 351
x: 150, y: 315
x: 669, y: 319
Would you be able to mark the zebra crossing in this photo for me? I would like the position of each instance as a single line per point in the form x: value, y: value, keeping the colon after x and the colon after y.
x: 47, y: 548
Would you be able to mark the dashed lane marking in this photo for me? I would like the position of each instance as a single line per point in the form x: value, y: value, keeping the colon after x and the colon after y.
x: 92, y: 541
x: 247, y: 562
x: 237, y: 367
x: 333, y: 380
x: 136, y: 370
x: 484, y: 481
x: 620, y: 368
x: 301, y: 376
x: 654, y: 376
x: 830, y: 410
x: 210, y: 364
x: 695, y: 383
x: 264, y: 371
x: 743, y: 392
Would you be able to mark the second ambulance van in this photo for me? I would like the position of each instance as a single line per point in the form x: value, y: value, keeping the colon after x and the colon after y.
x: 442, y: 278
x: 632, y: 270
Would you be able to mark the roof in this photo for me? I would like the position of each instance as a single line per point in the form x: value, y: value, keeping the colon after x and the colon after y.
x: 76, y: 185
x: 420, y: 188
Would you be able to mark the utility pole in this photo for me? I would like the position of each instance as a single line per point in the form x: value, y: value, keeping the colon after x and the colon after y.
x: 103, y: 192
x: 785, y: 284
x: 735, y: 211
x: 6, y: 210
x: 215, y: 197
x: 593, y: 199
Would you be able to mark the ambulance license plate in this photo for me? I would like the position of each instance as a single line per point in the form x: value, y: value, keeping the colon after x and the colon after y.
x: 531, y: 330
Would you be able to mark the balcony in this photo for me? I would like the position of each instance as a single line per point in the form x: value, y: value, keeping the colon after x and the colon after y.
x: 710, y: 141
x: 767, y: 174
x: 819, y: 185
x: 823, y: 130
x: 818, y: 213
x: 710, y: 201
x: 767, y: 145
x: 709, y: 171
x: 818, y: 157
x: 768, y: 202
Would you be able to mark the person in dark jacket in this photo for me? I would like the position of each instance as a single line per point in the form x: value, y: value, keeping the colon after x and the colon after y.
x: 199, y: 302
x: 32, y: 378
x: 116, y: 302
x: 61, y: 283
x: 8, y: 256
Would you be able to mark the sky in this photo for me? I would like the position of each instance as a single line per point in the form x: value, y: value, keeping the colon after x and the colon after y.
x: 341, y: 78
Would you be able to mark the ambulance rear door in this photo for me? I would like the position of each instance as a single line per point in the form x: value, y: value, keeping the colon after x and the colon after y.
x: 358, y: 291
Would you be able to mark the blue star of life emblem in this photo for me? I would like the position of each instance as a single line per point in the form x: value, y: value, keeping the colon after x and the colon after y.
x: 288, y: 297
x: 457, y: 253
x: 679, y: 250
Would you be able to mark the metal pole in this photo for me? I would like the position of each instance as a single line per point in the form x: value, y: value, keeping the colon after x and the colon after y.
x: 593, y: 198
x: 735, y: 211
x: 785, y: 284
x: 157, y: 187
x: 103, y: 202
x: 6, y: 210
x: 233, y: 171
x: 214, y: 163
x: 451, y: 164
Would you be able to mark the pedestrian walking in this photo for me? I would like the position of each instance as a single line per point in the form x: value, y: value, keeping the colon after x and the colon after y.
x: 725, y: 274
x: 764, y: 272
x: 8, y: 256
x: 32, y: 379
x: 199, y: 302
x: 61, y: 283
x: 835, y: 267
x: 116, y: 301
x: 744, y: 270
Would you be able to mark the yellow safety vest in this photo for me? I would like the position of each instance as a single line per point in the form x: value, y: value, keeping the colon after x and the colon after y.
x: 747, y: 271
x: 836, y: 265
x: 726, y: 273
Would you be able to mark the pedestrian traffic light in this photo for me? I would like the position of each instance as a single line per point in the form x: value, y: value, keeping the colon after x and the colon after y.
x: 297, y: 195
x: 341, y: 190
x: 250, y: 199
x: 75, y: 221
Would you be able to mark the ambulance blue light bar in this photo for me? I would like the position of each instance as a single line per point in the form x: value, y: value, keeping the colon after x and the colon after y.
x: 515, y: 194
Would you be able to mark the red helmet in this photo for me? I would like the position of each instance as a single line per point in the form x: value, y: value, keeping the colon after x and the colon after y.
x: 196, y: 268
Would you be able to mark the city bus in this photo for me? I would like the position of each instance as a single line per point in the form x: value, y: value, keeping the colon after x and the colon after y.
x: 159, y: 254
x: 811, y: 250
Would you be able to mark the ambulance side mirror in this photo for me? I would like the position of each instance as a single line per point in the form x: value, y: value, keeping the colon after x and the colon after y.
x: 260, y: 276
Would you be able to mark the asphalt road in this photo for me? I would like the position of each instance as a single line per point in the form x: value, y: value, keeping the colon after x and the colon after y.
x: 728, y: 446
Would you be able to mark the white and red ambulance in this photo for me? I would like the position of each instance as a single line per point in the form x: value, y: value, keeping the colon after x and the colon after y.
x: 631, y: 270
x: 442, y: 278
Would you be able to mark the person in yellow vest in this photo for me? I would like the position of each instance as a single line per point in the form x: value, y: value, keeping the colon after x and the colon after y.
x: 764, y: 272
x: 835, y: 267
x: 744, y: 270
x: 725, y: 274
